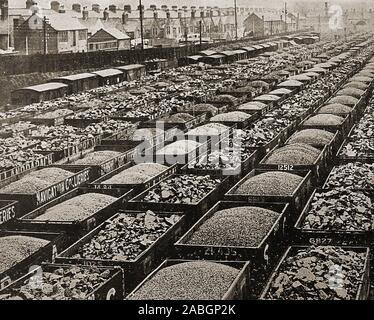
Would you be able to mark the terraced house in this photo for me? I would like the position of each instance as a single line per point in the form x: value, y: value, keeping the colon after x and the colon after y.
x: 63, y: 34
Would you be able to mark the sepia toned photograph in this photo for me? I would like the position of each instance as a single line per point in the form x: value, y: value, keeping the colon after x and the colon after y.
x: 184, y: 156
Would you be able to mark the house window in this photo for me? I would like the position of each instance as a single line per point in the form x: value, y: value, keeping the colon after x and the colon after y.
x: 63, y: 36
x: 82, y: 35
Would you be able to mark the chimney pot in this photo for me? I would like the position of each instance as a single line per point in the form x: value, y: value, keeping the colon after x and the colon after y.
x: 76, y: 7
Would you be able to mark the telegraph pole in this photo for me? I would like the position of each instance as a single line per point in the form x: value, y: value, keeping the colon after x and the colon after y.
x: 141, y: 24
x: 201, y: 32
x: 185, y: 29
x: 8, y: 27
x: 45, y: 21
x: 285, y: 17
x: 236, y: 21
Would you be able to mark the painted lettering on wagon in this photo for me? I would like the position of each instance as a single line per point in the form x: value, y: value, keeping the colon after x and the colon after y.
x: 70, y: 183
x: 7, y: 214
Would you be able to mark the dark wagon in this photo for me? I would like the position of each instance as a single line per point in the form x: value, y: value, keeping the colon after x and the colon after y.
x: 39, y: 93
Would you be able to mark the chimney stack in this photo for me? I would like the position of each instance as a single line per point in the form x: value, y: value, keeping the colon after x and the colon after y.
x: 4, y: 9
x: 125, y: 17
x: 85, y: 13
x: 113, y: 8
x: 167, y: 14
x: 29, y: 4
x: 96, y: 8
x: 106, y: 14
x: 61, y: 9
x: 127, y: 8
x: 76, y: 7
x: 193, y: 13
x: 55, y: 6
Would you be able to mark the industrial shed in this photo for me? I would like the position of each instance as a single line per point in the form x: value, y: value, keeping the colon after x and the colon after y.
x: 38, y: 93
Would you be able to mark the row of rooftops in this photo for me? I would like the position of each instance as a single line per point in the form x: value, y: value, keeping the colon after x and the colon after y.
x: 77, y: 10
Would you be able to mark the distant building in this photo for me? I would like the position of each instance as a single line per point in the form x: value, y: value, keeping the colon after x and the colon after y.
x: 270, y: 23
x: 4, y: 25
x: 64, y: 34
x: 109, y: 39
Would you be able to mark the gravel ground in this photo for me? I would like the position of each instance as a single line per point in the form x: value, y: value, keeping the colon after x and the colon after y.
x: 186, y: 188
x: 352, y: 176
x: 14, y: 249
x: 180, y: 147
x: 270, y: 183
x: 199, y: 280
x: 146, y: 134
x: 127, y: 236
x: 314, y: 137
x: 178, y: 118
x: 335, y: 108
x: 324, y: 120
x: 209, y: 129
x: 294, y: 154
x: 347, y: 100
x: 235, y: 116
x: 37, y: 180
x: 97, y: 157
x: 77, y: 208
x: 358, y: 148
x: 237, y: 227
x: 319, y: 273
x: 68, y: 283
x: 55, y: 114
x: 340, y: 209
x: 18, y: 158
x: 137, y: 174
x: 203, y: 107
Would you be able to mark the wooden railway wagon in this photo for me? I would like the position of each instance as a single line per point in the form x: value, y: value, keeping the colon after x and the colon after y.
x: 79, y: 82
x: 109, y: 76
x: 133, y: 71
x: 39, y: 93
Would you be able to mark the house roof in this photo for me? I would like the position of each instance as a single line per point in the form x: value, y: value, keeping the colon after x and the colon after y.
x: 27, y: 12
x: 65, y: 22
x: 92, y: 24
x: 115, y: 33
